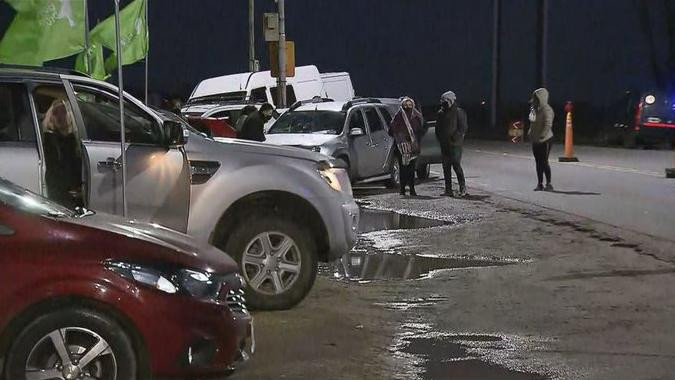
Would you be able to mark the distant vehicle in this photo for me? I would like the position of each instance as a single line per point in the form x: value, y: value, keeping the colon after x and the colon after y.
x: 258, y: 87
x: 225, y: 111
x: 214, y: 127
x: 278, y: 211
x: 353, y: 132
x: 338, y: 86
x: 652, y: 121
x: 94, y: 296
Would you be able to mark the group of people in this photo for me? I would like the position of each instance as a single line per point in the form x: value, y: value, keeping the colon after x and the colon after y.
x: 407, y: 128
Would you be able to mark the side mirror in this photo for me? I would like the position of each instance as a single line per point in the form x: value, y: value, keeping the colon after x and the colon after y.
x: 174, y: 133
x: 356, y: 132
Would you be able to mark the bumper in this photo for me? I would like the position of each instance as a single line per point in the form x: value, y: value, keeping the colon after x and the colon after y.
x: 656, y: 133
x: 188, y: 338
x: 342, y: 228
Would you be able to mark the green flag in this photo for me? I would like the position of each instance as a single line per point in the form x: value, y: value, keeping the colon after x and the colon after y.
x: 43, y: 30
x: 95, y: 65
x: 133, y: 35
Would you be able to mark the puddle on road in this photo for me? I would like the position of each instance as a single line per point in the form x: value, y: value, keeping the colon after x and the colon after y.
x: 450, y: 358
x: 380, y: 220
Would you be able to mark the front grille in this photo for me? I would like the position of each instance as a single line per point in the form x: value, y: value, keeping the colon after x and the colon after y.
x: 235, y: 300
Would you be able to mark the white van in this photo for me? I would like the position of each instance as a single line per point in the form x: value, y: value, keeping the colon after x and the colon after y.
x: 260, y: 87
x: 338, y: 86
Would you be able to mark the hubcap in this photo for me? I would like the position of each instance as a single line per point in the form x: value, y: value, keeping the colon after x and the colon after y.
x: 71, y: 353
x: 271, y: 263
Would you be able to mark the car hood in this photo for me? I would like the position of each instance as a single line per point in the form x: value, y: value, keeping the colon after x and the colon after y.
x: 180, y: 249
x: 299, y: 139
x: 200, y: 146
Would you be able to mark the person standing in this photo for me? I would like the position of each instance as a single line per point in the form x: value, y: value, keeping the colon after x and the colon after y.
x: 407, y: 128
x: 541, y: 135
x: 254, y: 125
x: 451, y: 127
x: 239, y: 124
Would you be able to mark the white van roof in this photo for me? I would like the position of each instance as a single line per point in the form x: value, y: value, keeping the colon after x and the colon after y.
x: 249, y: 80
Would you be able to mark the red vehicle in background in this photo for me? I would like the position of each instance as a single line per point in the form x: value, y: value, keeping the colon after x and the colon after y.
x: 217, y: 127
x: 92, y: 296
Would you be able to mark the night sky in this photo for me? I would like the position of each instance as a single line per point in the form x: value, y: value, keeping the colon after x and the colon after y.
x: 597, y: 48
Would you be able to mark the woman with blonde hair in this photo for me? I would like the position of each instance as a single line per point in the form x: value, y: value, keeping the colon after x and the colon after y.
x: 63, y: 173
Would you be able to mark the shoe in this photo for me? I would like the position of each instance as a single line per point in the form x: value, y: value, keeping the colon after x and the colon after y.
x: 539, y: 187
x: 462, y: 192
x: 548, y: 187
x: 448, y: 194
x: 413, y: 193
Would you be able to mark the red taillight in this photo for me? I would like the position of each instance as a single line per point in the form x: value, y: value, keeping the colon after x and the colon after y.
x: 638, y: 116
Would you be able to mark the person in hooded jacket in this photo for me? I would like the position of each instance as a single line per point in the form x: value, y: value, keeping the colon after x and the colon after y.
x: 407, y: 129
x: 254, y: 125
x: 451, y: 127
x: 541, y: 135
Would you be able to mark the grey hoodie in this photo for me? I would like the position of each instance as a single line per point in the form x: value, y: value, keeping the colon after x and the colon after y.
x: 541, y: 129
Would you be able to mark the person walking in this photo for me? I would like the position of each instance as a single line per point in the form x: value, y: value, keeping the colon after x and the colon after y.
x: 407, y: 129
x: 254, y: 125
x: 541, y: 135
x: 451, y: 127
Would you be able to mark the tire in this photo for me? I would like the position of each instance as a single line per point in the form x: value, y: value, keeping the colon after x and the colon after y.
x: 302, y: 256
x: 424, y: 171
x: 394, y: 181
x: 82, y: 328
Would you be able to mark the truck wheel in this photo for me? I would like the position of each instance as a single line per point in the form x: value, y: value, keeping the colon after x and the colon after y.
x: 424, y: 171
x: 394, y: 181
x: 277, y: 258
x: 72, y: 344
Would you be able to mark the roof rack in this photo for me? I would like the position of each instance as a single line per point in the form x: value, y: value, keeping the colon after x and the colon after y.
x: 40, y: 69
x: 314, y: 100
x: 357, y: 101
x: 226, y: 98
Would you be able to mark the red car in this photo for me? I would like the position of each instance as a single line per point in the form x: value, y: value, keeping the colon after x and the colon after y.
x: 217, y: 127
x: 91, y: 296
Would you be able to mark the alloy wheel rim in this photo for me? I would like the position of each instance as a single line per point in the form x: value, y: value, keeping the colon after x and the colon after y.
x: 71, y: 353
x: 271, y: 263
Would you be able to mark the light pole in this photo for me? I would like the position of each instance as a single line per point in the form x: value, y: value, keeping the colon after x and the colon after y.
x: 118, y: 44
x: 251, y: 36
x: 494, y: 100
x: 282, y: 55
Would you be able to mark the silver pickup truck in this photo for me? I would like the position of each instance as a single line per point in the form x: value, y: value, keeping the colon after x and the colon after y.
x: 276, y: 210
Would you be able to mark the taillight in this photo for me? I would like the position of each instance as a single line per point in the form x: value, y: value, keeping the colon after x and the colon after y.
x: 638, y: 116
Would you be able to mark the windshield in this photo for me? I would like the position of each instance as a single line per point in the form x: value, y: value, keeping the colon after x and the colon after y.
x: 325, y: 122
x: 27, y: 201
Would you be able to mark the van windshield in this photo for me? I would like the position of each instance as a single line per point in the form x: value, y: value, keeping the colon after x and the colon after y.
x: 26, y: 201
x: 323, y: 122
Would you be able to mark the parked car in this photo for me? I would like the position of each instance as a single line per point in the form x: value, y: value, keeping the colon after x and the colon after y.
x: 649, y: 119
x: 259, y: 87
x: 224, y: 111
x: 89, y: 295
x: 353, y: 132
x: 277, y: 211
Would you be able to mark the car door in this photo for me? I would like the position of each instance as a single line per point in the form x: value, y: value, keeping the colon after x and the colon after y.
x: 381, y: 141
x: 359, y: 145
x: 19, y: 148
x: 158, y: 177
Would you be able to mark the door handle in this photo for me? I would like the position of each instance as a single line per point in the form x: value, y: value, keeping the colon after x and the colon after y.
x: 110, y: 164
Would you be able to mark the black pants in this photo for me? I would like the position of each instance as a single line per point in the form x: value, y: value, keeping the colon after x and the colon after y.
x: 407, y: 175
x: 541, y: 152
x: 452, y: 159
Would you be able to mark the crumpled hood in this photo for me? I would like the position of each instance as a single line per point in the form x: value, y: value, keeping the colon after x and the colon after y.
x: 299, y: 139
x: 542, y: 96
x: 180, y: 249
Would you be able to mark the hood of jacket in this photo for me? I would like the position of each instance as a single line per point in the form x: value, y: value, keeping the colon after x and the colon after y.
x: 541, y: 94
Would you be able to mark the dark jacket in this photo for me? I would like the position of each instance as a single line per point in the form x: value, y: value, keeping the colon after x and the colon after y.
x: 399, y: 130
x: 63, y: 172
x: 451, y: 127
x: 253, y: 128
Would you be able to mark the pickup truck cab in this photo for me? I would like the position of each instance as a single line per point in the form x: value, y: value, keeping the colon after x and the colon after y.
x: 277, y: 211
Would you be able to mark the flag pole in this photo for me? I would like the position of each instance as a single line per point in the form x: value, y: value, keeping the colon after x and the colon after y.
x: 118, y: 44
x: 87, y: 59
x: 147, y: 49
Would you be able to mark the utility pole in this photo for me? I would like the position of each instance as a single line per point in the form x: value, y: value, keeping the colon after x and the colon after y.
x: 542, y: 67
x: 87, y: 56
x: 251, y: 36
x: 147, y: 49
x: 118, y: 44
x: 282, y: 55
x: 494, y: 99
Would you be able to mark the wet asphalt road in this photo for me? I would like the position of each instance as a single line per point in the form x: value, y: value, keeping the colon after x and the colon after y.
x: 490, y: 287
x: 622, y: 187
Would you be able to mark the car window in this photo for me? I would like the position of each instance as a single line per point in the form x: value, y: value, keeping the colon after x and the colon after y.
x: 16, y: 119
x: 356, y: 120
x: 325, y: 122
x: 374, y: 121
x: 101, y: 116
x: 259, y: 95
x: 385, y: 114
x: 290, y: 95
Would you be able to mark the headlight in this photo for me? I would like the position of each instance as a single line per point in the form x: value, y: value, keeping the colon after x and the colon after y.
x: 336, y: 178
x: 650, y: 99
x: 194, y: 283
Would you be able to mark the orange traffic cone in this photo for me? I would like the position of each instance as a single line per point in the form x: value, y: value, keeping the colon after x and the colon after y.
x: 569, y: 136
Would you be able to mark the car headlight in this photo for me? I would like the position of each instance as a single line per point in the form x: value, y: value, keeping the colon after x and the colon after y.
x: 337, y: 178
x: 190, y: 282
x: 650, y: 99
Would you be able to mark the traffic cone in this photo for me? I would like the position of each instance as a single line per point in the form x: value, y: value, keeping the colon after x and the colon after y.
x: 569, y: 136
